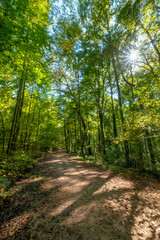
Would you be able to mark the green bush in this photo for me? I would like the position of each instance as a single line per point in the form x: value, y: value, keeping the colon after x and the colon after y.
x: 37, y: 154
x: 14, y: 167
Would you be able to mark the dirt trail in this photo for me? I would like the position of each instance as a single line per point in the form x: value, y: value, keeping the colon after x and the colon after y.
x: 67, y: 199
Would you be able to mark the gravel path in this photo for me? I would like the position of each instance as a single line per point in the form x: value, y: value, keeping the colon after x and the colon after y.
x: 67, y: 199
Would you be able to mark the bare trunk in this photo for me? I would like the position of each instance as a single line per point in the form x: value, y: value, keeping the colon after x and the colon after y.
x: 65, y: 136
x: 99, y: 141
x: 30, y: 129
x: 102, y: 133
x: 17, y: 113
x: 15, y: 137
x: 75, y: 135
x: 89, y: 141
x: 151, y: 151
x: 3, y: 134
x: 38, y: 123
x: 27, y: 124
x: 126, y: 146
x: 81, y: 134
x: 80, y: 122
x: 113, y: 112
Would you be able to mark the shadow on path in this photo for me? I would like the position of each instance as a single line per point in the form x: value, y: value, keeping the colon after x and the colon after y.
x: 68, y: 199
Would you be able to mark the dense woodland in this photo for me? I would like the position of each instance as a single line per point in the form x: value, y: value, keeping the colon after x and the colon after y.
x: 82, y: 75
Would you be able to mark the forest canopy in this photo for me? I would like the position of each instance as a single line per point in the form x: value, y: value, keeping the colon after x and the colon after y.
x: 82, y: 75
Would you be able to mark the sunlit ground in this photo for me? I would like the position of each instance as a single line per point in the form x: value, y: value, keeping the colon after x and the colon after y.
x: 72, y: 200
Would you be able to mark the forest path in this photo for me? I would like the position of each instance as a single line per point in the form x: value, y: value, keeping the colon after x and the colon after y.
x: 67, y: 199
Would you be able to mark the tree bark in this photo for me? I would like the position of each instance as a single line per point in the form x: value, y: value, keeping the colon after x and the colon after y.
x: 102, y: 133
x: 113, y: 112
x: 65, y: 136
x: 126, y: 146
x: 150, y: 147
x: 3, y: 134
x: 17, y: 112
x: 38, y: 123
x: 27, y: 124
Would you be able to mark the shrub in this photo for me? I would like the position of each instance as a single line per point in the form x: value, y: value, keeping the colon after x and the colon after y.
x: 14, y: 167
x: 37, y: 154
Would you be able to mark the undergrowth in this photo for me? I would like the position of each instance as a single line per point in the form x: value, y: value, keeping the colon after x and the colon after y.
x: 13, y: 168
x: 121, y: 170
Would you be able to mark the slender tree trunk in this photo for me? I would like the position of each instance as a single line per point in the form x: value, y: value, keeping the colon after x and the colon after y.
x: 99, y: 141
x: 100, y: 101
x: 126, y: 146
x: 15, y: 137
x: 113, y: 112
x: 3, y: 134
x: 65, y: 136
x: 102, y: 133
x: 69, y: 140
x: 27, y: 124
x: 140, y: 146
x: 89, y: 141
x: 30, y: 131
x: 75, y: 135
x: 151, y: 151
x: 80, y: 122
x: 17, y: 112
x: 81, y: 135
x: 38, y: 124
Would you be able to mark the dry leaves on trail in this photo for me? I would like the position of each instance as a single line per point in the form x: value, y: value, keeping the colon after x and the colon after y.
x: 73, y: 200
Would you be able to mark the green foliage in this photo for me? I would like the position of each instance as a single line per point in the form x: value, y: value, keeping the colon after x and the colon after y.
x: 67, y: 79
x: 108, y: 100
x: 15, y: 166
x: 37, y: 154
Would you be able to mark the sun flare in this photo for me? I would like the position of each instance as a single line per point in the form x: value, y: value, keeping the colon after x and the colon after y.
x: 131, y: 58
x: 133, y: 55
